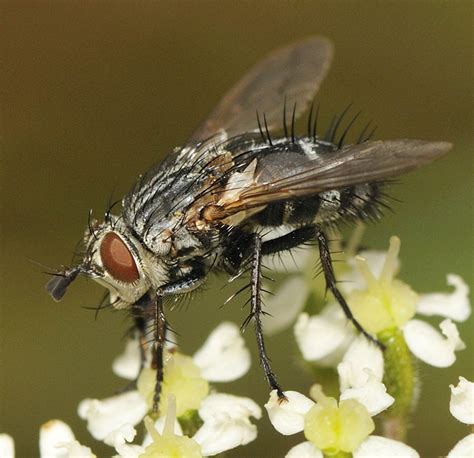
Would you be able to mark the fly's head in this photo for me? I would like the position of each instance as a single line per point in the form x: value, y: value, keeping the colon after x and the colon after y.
x: 115, y: 259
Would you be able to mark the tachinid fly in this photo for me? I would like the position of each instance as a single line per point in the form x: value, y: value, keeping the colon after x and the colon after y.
x: 205, y: 207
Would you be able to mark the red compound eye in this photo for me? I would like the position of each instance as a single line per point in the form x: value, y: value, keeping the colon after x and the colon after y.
x: 117, y: 259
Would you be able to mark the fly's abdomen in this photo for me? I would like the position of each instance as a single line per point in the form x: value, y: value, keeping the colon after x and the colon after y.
x: 361, y: 202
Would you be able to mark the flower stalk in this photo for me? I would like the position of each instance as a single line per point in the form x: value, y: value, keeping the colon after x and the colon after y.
x: 400, y: 378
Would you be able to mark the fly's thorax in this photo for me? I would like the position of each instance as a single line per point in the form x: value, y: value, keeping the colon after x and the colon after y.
x: 116, y: 259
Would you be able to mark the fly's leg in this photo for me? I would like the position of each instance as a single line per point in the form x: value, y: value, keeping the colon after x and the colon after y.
x: 309, y: 233
x: 185, y: 284
x: 289, y: 241
x: 256, y: 313
x: 326, y: 263
x: 158, y: 348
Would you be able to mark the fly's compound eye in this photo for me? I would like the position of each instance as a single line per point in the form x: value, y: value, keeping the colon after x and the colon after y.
x: 117, y: 259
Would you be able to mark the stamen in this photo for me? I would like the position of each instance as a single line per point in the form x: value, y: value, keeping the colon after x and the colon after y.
x: 363, y: 268
x: 316, y: 392
x: 170, y: 416
x: 150, y: 427
x: 390, y: 264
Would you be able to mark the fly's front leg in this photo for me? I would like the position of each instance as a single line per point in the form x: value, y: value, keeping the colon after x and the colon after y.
x: 187, y: 283
x: 159, y: 321
x: 256, y: 313
x: 326, y: 263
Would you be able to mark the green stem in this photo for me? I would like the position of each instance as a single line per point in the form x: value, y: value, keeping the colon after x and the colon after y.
x: 400, y: 380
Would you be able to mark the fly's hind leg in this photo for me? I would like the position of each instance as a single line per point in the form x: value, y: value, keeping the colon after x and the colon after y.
x: 329, y: 276
x: 311, y: 233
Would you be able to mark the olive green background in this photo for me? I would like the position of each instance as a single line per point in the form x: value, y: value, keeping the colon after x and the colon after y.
x: 93, y: 93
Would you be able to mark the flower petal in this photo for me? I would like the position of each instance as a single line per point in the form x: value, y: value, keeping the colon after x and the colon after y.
x: 322, y: 338
x: 126, y: 433
x: 363, y: 360
x: 285, y: 305
x: 429, y: 345
x: 287, y: 417
x: 127, y: 365
x: 57, y: 441
x: 234, y: 406
x: 129, y: 451
x: 464, y: 448
x: 226, y: 423
x: 461, y: 404
x: 381, y: 447
x: 7, y: 446
x: 453, y: 305
x: 224, y: 356
x: 222, y: 433
x: 373, y: 395
x: 304, y: 450
x: 108, y: 415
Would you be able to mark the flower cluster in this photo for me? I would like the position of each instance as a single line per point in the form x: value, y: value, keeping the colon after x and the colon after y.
x: 375, y: 386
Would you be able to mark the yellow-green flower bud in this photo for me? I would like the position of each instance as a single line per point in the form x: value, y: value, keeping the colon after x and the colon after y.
x: 168, y: 445
x: 337, y: 428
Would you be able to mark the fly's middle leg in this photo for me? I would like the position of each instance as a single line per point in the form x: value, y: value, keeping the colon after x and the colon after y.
x: 256, y: 313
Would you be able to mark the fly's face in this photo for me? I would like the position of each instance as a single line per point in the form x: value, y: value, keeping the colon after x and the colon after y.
x: 115, y: 259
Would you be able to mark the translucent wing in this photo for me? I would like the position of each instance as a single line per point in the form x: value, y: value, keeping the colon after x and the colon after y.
x: 295, y: 72
x: 352, y: 165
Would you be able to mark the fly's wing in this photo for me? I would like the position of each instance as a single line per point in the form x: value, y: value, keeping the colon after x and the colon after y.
x: 295, y: 72
x: 352, y: 165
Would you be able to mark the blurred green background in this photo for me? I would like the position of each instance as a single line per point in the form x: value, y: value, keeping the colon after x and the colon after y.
x: 93, y: 93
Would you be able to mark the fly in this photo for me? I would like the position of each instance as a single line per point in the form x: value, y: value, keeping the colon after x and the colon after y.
x: 205, y: 207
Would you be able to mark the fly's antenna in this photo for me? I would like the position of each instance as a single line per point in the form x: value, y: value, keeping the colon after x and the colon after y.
x: 266, y: 129
x: 89, y: 224
x: 293, y: 124
x: 347, y: 129
x: 285, y: 127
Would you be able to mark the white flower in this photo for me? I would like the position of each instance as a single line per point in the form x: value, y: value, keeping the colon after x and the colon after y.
x: 287, y: 417
x: 226, y: 423
x: 379, y: 302
x: 324, y: 337
x: 381, y: 447
x: 330, y: 426
x: 461, y: 404
x: 223, y: 357
x: 7, y: 446
x: 464, y: 448
x: 362, y: 361
x: 453, y: 305
x: 110, y: 419
x: 430, y: 346
x: 57, y: 441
